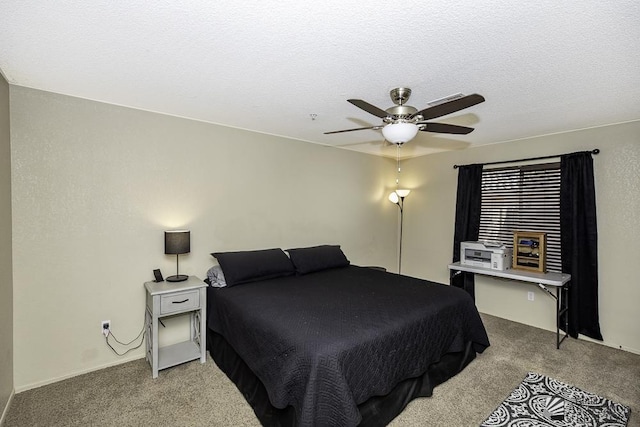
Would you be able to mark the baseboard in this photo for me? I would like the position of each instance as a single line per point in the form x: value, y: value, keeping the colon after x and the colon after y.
x: 608, y: 344
x: 7, y: 406
x: 26, y: 387
x: 580, y: 336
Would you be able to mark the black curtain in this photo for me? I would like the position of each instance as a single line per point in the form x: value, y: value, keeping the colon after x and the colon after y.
x: 579, y: 241
x: 468, y: 204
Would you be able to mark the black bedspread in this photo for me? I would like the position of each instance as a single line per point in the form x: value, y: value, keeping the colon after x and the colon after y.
x: 328, y: 341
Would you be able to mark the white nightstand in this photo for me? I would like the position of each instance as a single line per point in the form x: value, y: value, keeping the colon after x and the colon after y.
x: 168, y: 299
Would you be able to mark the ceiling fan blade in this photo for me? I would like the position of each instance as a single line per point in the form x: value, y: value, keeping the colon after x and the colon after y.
x: 351, y: 130
x: 371, y: 109
x: 449, y: 107
x: 444, y: 128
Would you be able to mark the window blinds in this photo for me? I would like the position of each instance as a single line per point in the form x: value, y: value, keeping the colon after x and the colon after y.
x: 522, y: 198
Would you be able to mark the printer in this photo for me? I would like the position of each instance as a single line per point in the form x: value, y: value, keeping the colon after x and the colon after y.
x: 486, y: 254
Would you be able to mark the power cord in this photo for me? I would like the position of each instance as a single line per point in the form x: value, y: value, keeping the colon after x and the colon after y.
x: 110, y: 333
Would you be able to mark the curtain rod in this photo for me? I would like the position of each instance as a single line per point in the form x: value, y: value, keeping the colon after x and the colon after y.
x: 594, y: 151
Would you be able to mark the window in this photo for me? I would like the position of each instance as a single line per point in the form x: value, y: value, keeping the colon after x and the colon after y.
x: 522, y: 198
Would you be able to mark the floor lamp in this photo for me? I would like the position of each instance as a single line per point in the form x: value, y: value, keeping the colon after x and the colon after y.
x: 397, y: 197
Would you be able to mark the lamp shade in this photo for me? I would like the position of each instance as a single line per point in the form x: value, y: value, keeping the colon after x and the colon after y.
x: 177, y: 242
x: 398, y: 194
x: 399, y: 133
x: 403, y: 192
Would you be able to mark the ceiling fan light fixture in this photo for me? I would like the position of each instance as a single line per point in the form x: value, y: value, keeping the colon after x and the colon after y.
x: 399, y: 133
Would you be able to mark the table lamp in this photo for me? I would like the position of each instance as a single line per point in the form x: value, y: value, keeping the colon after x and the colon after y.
x: 177, y: 242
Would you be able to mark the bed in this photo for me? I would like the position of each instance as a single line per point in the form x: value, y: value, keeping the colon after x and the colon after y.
x: 311, y: 340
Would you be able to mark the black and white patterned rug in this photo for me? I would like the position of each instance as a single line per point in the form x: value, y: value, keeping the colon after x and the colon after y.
x: 541, y: 401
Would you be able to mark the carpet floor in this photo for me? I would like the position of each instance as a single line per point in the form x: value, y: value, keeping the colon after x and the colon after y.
x: 195, y: 394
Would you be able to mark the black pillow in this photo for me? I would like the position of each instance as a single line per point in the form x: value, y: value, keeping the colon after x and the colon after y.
x: 316, y: 258
x: 249, y: 266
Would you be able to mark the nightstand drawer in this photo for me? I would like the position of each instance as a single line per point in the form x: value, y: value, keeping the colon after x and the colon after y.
x: 179, y: 302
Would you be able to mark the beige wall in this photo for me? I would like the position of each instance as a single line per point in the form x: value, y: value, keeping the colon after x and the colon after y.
x: 95, y: 186
x: 6, y: 276
x: 429, y: 224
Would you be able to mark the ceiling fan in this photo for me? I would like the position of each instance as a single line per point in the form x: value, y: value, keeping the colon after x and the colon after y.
x: 402, y: 122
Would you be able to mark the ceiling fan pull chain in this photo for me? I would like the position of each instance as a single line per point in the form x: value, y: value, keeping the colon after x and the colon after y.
x: 398, y: 164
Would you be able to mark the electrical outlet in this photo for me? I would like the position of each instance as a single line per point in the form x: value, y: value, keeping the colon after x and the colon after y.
x: 531, y: 296
x: 105, y: 327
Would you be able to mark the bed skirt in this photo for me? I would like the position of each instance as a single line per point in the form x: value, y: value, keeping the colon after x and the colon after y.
x: 377, y: 411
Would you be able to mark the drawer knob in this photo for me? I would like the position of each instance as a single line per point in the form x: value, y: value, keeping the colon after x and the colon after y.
x: 180, y: 302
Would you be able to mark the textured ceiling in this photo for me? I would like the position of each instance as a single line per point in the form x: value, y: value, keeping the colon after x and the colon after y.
x: 543, y: 67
